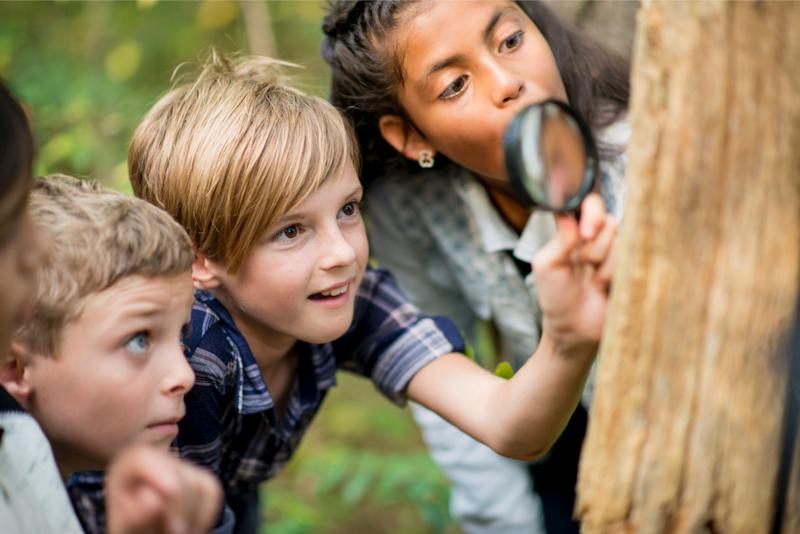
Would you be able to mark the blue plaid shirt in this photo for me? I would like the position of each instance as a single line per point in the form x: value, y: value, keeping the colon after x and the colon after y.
x: 231, y: 423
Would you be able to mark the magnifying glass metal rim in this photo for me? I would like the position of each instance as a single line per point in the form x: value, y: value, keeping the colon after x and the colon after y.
x: 513, y: 150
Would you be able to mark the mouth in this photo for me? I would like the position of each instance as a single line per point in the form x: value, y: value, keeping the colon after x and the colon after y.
x: 167, y: 426
x: 333, y: 293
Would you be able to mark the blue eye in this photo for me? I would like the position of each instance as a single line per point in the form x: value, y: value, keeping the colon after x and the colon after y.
x: 350, y: 209
x: 138, y: 342
x: 455, y: 87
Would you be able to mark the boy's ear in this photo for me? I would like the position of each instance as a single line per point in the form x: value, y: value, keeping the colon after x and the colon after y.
x: 403, y: 137
x: 204, y: 272
x: 15, y: 373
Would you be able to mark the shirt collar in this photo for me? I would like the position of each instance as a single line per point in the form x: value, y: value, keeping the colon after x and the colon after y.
x: 251, y: 392
x: 496, y: 234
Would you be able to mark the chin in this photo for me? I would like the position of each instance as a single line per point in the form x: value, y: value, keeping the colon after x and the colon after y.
x: 326, y: 335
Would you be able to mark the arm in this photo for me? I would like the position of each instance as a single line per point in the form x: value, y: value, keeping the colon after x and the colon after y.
x: 522, y: 417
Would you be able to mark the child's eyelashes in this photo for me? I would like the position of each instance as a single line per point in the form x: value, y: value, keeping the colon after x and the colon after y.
x: 350, y: 209
x: 288, y: 233
x: 454, y: 88
x: 138, y: 343
x: 512, y: 42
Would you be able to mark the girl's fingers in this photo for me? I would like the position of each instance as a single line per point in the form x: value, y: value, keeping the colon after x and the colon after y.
x: 594, y: 251
x: 604, y: 272
x: 558, y: 251
x: 593, y: 216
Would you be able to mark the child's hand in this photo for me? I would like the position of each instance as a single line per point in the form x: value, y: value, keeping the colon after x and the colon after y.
x: 573, y: 273
x: 150, y: 491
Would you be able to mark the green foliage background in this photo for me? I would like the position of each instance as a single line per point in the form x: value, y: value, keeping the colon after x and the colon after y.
x: 88, y: 72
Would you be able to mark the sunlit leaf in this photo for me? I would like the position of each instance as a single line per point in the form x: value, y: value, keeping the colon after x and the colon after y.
x: 58, y: 147
x: 504, y: 370
x: 145, y: 4
x: 123, y: 61
x: 213, y: 14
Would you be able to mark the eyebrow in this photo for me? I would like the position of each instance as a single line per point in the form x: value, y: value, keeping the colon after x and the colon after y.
x: 299, y: 215
x: 458, y: 58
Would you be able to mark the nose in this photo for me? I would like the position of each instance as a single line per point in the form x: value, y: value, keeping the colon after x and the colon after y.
x: 179, y: 378
x: 507, y: 87
x: 335, y: 249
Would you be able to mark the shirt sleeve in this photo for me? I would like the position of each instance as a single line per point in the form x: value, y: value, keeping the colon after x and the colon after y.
x: 390, y: 340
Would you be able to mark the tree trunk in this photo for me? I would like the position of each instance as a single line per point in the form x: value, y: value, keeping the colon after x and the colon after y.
x: 686, y: 424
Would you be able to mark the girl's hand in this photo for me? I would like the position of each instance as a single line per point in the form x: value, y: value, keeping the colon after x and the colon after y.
x: 573, y: 273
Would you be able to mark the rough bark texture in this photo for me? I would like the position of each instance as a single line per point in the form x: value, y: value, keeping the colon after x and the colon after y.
x: 686, y: 423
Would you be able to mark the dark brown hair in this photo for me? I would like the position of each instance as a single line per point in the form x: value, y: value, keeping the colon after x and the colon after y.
x: 16, y: 144
x: 365, y: 74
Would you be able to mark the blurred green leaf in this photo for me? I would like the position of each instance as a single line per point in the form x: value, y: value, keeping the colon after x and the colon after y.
x: 123, y: 61
x: 504, y: 370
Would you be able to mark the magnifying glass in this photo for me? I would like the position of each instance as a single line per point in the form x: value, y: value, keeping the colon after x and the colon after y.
x: 551, y: 157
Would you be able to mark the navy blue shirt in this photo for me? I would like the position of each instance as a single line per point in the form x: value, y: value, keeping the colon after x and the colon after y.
x: 231, y: 422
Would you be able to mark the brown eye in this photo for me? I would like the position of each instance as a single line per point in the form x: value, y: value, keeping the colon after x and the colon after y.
x: 290, y: 232
x: 349, y: 209
x: 512, y: 41
x: 455, y: 87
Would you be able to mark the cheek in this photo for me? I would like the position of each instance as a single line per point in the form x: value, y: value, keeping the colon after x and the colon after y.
x: 478, y: 148
x: 356, y: 236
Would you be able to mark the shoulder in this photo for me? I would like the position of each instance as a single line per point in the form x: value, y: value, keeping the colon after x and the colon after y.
x: 378, y: 294
x: 416, y: 190
x: 210, y: 343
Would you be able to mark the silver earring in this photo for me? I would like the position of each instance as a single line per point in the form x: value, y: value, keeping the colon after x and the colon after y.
x: 425, y: 159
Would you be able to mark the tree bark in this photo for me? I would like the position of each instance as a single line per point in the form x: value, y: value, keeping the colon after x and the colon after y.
x: 685, y: 428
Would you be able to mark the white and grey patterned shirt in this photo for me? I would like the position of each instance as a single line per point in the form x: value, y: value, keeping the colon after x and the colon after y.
x: 451, y: 251
x: 33, y: 499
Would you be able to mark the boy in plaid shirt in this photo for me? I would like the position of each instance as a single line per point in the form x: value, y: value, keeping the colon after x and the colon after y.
x: 264, y: 180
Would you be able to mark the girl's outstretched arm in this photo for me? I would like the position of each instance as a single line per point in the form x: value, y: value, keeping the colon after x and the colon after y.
x: 522, y: 417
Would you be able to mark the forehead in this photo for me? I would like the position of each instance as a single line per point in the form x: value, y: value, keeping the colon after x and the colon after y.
x: 436, y: 29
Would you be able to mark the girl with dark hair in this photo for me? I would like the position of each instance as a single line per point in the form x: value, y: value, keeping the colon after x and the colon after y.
x: 430, y: 87
x: 34, y: 498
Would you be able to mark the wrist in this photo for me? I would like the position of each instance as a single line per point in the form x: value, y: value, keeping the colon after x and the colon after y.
x: 569, y: 347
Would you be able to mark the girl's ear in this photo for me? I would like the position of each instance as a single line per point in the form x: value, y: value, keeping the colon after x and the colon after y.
x: 15, y: 373
x: 403, y: 137
x: 204, y: 272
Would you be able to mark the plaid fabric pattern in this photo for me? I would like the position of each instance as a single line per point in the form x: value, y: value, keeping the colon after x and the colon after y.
x: 231, y: 424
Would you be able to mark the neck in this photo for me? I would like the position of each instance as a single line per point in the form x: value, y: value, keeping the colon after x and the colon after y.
x: 268, y: 346
x: 512, y: 211
x: 69, y: 461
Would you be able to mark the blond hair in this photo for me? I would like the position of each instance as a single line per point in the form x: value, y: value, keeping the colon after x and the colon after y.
x: 231, y: 153
x: 95, y: 236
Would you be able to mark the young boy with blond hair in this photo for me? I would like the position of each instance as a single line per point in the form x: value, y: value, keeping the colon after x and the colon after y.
x: 264, y: 180
x: 99, y: 363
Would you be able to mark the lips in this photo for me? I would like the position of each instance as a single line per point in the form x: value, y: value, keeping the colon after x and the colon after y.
x: 166, y: 422
x: 331, y: 292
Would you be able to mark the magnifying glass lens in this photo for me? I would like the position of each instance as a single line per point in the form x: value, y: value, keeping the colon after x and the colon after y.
x: 550, y: 156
